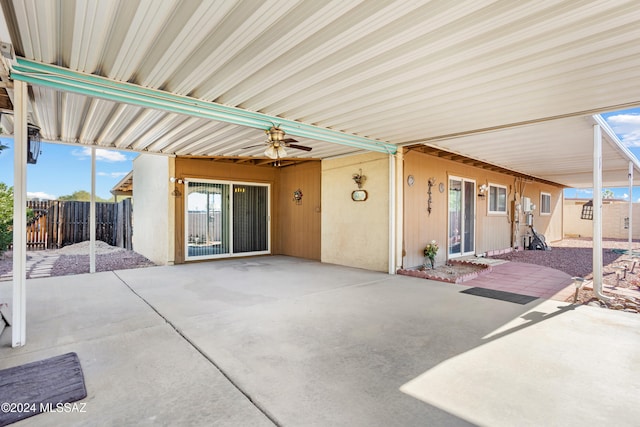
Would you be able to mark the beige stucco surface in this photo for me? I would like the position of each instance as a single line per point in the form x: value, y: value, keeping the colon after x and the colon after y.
x: 613, y: 216
x: 356, y: 234
x: 153, y: 219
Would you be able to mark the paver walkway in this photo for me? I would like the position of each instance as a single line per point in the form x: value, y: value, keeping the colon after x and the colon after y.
x: 526, y: 279
x: 38, y: 265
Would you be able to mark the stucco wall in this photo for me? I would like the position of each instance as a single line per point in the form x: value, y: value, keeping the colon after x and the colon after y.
x: 356, y: 233
x: 493, y: 232
x: 613, y: 216
x: 153, y: 219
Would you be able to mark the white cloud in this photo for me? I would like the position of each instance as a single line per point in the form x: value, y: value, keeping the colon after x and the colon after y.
x: 625, y: 196
x: 627, y: 127
x: 101, y: 155
x: 584, y: 192
x: 112, y: 174
x: 40, y: 195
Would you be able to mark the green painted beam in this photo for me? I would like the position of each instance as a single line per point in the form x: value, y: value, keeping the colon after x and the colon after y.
x: 66, y: 80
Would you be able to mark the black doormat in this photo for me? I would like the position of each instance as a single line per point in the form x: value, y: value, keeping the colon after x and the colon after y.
x: 42, y: 386
x: 501, y: 295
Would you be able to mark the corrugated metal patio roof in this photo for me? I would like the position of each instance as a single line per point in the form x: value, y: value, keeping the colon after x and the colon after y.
x: 510, y: 83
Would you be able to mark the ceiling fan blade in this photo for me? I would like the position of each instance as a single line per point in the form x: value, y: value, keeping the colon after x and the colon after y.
x: 300, y: 147
x: 288, y: 140
x: 253, y: 146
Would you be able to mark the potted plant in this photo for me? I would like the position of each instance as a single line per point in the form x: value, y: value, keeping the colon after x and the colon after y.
x: 430, y: 252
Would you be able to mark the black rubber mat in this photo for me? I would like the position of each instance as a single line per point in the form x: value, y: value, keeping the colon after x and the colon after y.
x: 42, y: 386
x: 500, y: 295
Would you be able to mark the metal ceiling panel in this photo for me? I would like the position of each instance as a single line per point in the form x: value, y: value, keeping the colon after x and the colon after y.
x: 513, y: 81
x: 559, y: 151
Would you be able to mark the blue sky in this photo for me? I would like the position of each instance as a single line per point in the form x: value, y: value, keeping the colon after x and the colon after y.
x: 626, y: 124
x: 63, y: 169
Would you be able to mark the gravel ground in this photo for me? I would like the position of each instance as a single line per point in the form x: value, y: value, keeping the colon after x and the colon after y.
x: 74, y: 259
x: 574, y: 257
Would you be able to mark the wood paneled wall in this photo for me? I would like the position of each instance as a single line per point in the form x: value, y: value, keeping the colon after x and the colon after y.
x: 295, y: 229
x: 300, y: 223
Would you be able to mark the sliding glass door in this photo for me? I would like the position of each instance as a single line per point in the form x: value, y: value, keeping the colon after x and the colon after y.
x: 462, y: 217
x: 224, y: 219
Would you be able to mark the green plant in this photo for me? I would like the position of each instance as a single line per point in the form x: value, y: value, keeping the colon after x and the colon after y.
x: 431, y: 250
x: 6, y: 216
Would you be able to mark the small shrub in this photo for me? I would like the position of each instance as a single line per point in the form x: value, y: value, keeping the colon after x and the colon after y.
x: 6, y: 216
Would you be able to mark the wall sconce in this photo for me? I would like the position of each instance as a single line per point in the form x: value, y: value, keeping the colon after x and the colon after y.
x: 33, y: 143
x: 359, y: 179
x: 483, y: 190
x: 177, y: 180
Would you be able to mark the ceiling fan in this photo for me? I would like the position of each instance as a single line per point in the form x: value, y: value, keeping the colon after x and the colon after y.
x: 276, y: 144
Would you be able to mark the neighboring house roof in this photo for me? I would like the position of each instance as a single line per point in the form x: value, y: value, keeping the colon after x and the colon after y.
x: 512, y: 84
x: 124, y: 187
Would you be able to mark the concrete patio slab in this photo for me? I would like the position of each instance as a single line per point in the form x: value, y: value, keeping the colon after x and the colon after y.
x: 304, y: 343
x: 137, y: 369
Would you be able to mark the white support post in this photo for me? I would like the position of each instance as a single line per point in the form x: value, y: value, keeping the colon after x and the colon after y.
x: 19, y: 319
x: 392, y: 214
x: 597, y: 213
x: 630, y: 209
x: 399, y: 159
x: 92, y: 214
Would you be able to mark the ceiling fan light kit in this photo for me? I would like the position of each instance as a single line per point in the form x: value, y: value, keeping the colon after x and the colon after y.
x: 275, y: 152
x: 276, y: 144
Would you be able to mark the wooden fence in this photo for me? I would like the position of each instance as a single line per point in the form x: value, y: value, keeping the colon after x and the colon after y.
x: 57, y: 223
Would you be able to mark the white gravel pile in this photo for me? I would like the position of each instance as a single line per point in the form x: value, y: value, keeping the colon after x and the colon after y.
x: 82, y: 248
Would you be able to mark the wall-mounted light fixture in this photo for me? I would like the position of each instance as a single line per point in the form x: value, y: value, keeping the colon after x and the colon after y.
x: 177, y: 180
x: 359, y: 179
x: 33, y: 131
x: 33, y: 143
x: 483, y: 190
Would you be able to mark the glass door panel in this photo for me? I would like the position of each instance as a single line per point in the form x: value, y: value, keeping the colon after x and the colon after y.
x: 207, y: 220
x: 462, y: 217
x: 469, y: 217
x: 455, y: 216
x: 250, y: 218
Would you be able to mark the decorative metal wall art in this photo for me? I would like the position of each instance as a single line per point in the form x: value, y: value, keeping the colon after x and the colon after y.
x: 431, y: 182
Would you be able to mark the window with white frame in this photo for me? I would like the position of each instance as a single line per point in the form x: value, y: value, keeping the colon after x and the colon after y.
x: 545, y: 204
x: 497, y: 199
